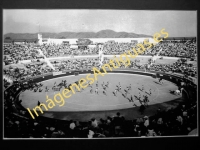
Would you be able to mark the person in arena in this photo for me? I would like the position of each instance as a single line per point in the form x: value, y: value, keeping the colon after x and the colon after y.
x: 149, y: 91
x: 103, y: 84
x: 40, y: 85
x: 65, y: 82
x: 107, y: 84
x: 117, y: 87
x: 125, y: 92
x: 123, y: 95
x: 97, y: 84
x: 120, y: 87
x: 115, y: 91
x: 89, y: 85
x: 96, y: 91
x: 104, y: 87
x: 38, y: 103
x: 35, y: 89
x: 104, y: 92
x: 91, y: 90
x: 146, y: 100
x: 130, y: 87
x: 46, y: 89
x: 127, y: 89
x: 160, y: 81
x: 131, y: 98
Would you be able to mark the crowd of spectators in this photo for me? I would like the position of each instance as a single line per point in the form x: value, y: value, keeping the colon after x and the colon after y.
x: 115, y: 48
x: 65, y: 50
x: 14, y: 53
x: 18, y: 124
x: 180, y: 66
x: 76, y: 64
x: 186, y: 49
x: 40, y: 68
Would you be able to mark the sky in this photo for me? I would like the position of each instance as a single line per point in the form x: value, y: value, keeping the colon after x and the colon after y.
x: 176, y: 23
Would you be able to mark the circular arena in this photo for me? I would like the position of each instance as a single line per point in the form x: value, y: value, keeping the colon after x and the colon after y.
x: 135, y: 95
x: 89, y: 101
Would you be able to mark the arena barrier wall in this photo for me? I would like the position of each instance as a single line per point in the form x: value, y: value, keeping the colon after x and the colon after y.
x: 175, y: 78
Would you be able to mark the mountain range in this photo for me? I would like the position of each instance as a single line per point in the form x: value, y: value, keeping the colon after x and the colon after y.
x: 70, y: 35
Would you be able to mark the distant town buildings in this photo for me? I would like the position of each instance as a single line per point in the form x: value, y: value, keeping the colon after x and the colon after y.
x: 75, y: 43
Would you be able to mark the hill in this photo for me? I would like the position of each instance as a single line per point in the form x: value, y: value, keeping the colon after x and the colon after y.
x: 68, y: 35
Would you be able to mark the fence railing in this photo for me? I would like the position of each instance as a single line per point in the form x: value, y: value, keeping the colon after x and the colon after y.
x: 176, y: 75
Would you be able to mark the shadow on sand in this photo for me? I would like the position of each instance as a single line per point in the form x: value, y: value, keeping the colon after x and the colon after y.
x: 129, y: 114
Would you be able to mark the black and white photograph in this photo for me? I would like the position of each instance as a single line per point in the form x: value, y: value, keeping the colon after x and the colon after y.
x: 99, y: 73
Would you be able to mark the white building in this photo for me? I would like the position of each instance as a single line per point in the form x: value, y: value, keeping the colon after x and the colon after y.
x: 94, y: 40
